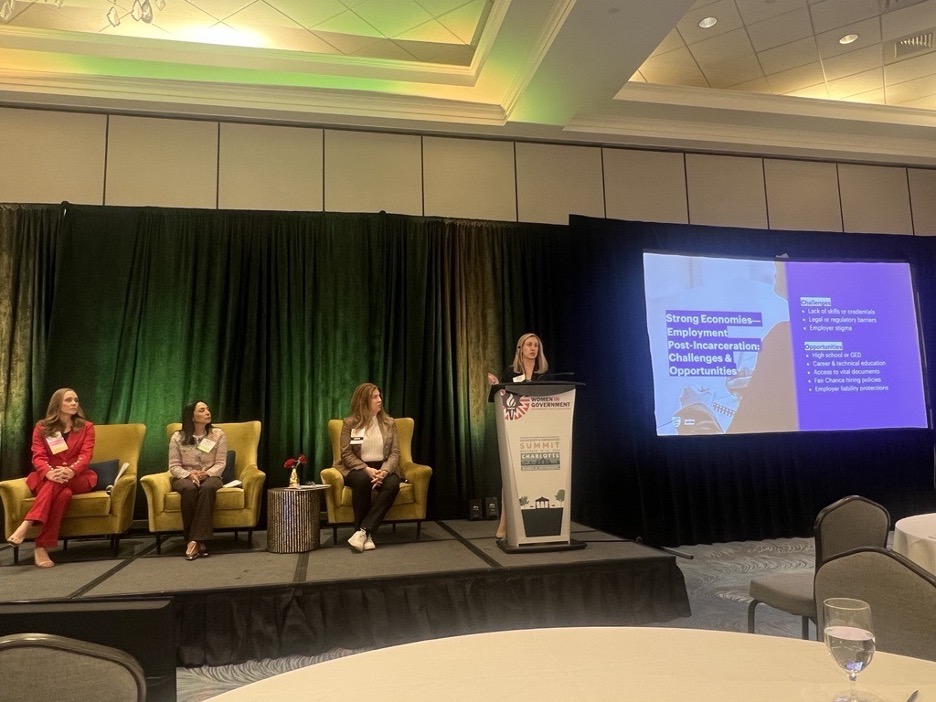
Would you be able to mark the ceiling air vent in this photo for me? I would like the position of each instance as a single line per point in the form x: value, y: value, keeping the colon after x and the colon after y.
x: 910, y: 45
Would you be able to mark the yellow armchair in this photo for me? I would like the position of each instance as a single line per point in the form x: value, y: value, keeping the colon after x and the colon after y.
x: 235, y: 507
x: 410, y: 504
x: 95, y: 513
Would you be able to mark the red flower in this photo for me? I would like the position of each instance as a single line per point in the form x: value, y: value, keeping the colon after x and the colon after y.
x: 300, y: 460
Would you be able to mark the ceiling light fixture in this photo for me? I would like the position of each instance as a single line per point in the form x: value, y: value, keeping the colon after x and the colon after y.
x: 142, y: 10
x: 848, y: 39
x: 708, y: 22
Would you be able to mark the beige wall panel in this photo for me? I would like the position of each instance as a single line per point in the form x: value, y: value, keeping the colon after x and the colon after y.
x: 161, y: 162
x: 370, y: 172
x: 875, y: 199
x: 469, y: 178
x: 726, y: 191
x: 645, y: 186
x: 803, y: 195
x: 554, y: 181
x: 923, y: 201
x: 270, y: 168
x: 51, y: 156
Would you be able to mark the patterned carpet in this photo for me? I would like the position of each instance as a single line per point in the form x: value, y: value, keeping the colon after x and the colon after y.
x: 717, y: 578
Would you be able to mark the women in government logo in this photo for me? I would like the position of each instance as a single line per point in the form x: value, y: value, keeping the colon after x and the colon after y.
x: 515, y: 406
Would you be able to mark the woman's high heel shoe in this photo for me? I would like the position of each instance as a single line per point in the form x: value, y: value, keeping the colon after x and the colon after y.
x: 191, y: 553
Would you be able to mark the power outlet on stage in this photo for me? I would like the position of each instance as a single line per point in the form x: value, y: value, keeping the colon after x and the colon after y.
x: 474, y: 510
x: 491, y: 507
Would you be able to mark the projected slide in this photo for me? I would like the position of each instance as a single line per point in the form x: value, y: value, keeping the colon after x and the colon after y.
x: 741, y: 345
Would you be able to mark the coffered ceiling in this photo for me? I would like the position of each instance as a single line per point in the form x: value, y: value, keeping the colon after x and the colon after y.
x: 769, y: 76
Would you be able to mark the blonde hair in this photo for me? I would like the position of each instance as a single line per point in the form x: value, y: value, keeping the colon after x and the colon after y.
x: 52, y: 422
x: 360, y: 406
x: 541, y: 365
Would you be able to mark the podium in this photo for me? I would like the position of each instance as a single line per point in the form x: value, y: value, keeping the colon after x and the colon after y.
x: 534, y: 438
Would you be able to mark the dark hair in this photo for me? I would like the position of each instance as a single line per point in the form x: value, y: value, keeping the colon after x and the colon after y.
x: 188, y: 422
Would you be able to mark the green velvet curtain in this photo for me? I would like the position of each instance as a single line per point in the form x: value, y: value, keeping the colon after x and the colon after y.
x: 279, y: 316
x: 28, y: 236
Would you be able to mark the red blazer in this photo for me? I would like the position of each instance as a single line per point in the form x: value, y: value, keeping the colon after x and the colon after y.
x: 77, y: 456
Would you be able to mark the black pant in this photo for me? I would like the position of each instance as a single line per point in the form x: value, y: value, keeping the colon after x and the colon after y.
x: 197, y: 507
x: 370, y: 504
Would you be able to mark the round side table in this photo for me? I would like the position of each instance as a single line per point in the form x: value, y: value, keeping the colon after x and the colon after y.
x: 293, y: 519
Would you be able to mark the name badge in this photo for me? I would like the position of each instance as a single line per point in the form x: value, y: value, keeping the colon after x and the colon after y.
x: 206, y: 445
x: 56, y: 443
x: 357, y: 437
x: 519, y: 378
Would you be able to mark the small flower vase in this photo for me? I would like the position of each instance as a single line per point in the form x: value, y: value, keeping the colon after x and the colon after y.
x: 293, y: 479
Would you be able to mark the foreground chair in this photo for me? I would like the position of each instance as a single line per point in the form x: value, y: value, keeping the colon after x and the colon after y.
x: 852, y: 522
x: 235, y: 507
x: 44, y: 667
x: 410, y: 504
x: 902, y: 597
x: 96, y: 513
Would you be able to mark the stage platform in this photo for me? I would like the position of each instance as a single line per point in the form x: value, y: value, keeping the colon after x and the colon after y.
x: 244, y: 603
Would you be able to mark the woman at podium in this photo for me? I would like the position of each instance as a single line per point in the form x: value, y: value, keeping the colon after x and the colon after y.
x: 529, y: 364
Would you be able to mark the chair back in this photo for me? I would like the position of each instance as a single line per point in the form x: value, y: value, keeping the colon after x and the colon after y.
x: 404, y: 425
x: 242, y: 437
x: 43, y: 667
x: 120, y: 441
x: 849, y: 523
x: 901, y: 594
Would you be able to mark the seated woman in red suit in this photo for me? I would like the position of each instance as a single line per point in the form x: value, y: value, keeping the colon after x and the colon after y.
x: 370, y: 462
x: 529, y: 364
x: 197, y: 453
x: 62, y: 444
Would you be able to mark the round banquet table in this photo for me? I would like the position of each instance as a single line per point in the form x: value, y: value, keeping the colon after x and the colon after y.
x: 915, y: 538
x: 596, y: 663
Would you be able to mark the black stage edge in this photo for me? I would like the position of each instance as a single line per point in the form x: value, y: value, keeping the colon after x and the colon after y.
x: 240, y: 604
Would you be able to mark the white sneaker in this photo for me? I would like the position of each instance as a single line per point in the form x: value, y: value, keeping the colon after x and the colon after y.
x: 369, y: 544
x: 357, y: 540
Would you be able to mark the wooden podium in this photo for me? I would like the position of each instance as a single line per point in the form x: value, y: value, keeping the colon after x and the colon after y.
x: 534, y: 438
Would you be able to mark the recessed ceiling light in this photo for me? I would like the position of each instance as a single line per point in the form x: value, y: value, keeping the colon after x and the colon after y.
x: 848, y: 39
x: 707, y: 22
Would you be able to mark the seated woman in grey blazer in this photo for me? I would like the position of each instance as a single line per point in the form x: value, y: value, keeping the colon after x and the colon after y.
x: 370, y: 461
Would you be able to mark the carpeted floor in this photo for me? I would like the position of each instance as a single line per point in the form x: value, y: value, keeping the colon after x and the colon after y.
x: 717, y: 578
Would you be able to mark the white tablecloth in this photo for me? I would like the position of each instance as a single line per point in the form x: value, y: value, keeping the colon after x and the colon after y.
x: 915, y: 538
x: 598, y: 663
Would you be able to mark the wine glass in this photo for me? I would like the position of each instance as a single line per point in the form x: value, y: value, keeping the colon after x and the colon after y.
x: 849, y: 636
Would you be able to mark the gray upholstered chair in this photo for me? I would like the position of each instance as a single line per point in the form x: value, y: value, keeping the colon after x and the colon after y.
x: 902, y: 597
x: 43, y: 667
x: 852, y: 522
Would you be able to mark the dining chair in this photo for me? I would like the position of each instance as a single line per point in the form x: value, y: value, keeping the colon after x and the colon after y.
x: 851, y: 522
x: 43, y: 667
x: 902, y: 596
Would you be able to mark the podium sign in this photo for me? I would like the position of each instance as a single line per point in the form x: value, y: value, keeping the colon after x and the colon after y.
x: 534, y: 437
